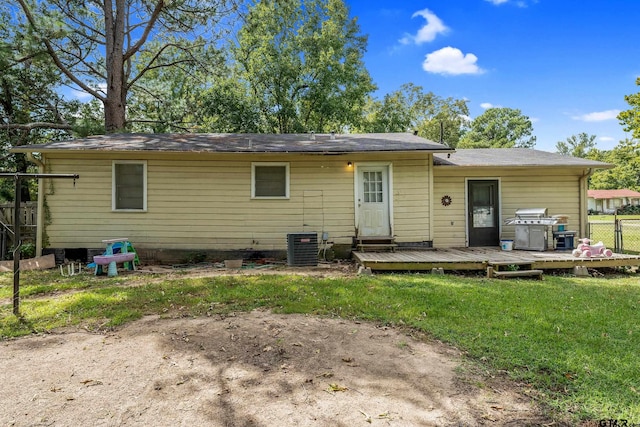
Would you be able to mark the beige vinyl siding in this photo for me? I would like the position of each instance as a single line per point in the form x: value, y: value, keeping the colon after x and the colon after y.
x: 556, y: 189
x: 411, y: 200
x: 203, y: 201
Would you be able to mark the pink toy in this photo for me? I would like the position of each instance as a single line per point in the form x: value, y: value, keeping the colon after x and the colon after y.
x: 586, y: 250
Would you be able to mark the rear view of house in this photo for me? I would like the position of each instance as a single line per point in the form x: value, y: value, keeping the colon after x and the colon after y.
x: 174, y: 194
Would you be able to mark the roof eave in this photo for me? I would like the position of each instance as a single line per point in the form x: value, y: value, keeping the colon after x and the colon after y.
x: 26, y: 149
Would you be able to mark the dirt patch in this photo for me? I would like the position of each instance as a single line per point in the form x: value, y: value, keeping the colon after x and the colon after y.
x: 252, y: 369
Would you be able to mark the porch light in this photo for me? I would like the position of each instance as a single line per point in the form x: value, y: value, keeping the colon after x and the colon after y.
x: 349, y: 164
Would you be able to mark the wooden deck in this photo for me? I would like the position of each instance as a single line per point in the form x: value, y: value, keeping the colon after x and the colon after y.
x: 481, y: 258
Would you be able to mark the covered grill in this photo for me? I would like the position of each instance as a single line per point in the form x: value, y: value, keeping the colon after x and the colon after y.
x: 532, y: 225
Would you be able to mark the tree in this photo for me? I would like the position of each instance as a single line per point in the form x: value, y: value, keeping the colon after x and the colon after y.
x: 31, y: 111
x: 106, y: 47
x: 630, y: 119
x: 302, y: 64
x: 412, y: 109
x: 499, y: 128
x: 626, y: 173
x: 171, y: 99
x: 577, y: 145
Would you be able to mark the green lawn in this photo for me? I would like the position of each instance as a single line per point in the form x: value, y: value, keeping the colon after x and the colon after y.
x: 574, y: 340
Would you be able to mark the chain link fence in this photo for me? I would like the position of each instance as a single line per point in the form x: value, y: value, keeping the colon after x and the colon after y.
x: 621, y: 235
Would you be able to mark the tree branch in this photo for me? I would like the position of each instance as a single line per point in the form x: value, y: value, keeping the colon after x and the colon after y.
x: 55, y: 57
x: 35, y: 125
x: 143, y: 39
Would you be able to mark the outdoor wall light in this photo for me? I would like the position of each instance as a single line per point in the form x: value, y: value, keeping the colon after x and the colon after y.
x: 349, y: 164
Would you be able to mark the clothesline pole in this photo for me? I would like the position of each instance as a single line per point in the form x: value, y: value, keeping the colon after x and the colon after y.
x: 17, y: 177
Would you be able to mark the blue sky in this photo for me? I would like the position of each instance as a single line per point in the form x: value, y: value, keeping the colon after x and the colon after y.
x: 566, y: 64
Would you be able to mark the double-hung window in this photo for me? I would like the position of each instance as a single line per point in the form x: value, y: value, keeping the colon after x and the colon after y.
x: 129, y: 185
x: 269, y: 180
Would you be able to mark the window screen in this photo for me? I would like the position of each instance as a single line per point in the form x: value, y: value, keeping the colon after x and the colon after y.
x: 270, y: 181
x: 129, y: 186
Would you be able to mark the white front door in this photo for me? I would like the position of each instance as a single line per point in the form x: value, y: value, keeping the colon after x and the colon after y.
x: 373, y: 201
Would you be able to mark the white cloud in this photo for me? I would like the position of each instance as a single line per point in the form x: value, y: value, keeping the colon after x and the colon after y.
x: 80, y: 94
x: 606, y: 139
x: 518, y: 3
x: 429, y: 31
x: 449, y: 60
x: 598, y: 116
x: 486, y: 105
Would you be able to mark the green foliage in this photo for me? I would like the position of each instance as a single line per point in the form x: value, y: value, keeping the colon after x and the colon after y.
x: 499, y: 128
x: 228, y: 107
x: 630, y: 118
x: 629, y: 210
x: 27, y: 250
x: 412, y: 109
x: 171, y: 97
x: 577, y: 145
x: 108, y: 51
x: 31, y: 111
x: 626, y: 172
x: 302, y: 64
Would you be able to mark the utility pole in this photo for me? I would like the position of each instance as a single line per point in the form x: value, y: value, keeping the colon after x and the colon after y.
x: 17, y: 177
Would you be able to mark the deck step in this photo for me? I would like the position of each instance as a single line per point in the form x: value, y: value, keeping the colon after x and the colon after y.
x: 376, y: 243
x: 373, y: 247
x: 491, y: 273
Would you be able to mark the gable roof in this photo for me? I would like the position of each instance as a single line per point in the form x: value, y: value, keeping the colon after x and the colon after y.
x: 513, y: 157
x: 244, y: 143
x: 613, y: 194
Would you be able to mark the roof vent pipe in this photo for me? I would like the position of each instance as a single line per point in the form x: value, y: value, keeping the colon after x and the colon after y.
x: 333, y: 135
x: 313, y: 136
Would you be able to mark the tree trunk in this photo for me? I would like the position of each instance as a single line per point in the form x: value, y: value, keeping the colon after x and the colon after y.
x: 114, y: 114
x: 115, y: 102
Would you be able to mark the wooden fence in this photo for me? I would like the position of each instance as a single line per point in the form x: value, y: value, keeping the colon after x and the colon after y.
x: 28, y: 222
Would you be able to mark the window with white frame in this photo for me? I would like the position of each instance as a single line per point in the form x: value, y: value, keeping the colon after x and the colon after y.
x: 129, y: 187
x: 270, y: 180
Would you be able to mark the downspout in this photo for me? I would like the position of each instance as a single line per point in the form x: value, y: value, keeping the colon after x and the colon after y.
x: 584, y: 214
x: 40, y: 219
x: 431, y: 207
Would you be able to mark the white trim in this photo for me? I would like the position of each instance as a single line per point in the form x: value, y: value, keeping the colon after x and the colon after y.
x: 113, y: 185
x: 253, y: 180
x: 466, y: 204
x: 356, y: 190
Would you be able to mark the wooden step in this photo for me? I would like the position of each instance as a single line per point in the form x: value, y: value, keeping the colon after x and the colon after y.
x: 373, y: 247
x: 376, y: 243
x: 491, y: 273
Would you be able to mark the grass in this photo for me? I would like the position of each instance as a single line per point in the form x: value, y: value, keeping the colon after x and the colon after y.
x: 574, y: 340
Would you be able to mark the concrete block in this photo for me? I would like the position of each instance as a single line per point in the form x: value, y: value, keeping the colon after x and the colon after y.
x: 365, y: 270
x: 581, y: 271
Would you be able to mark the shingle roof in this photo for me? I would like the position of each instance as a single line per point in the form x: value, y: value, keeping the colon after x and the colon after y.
x: 245, y: 143
x: 613, y: 194
x: 512, y: 157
